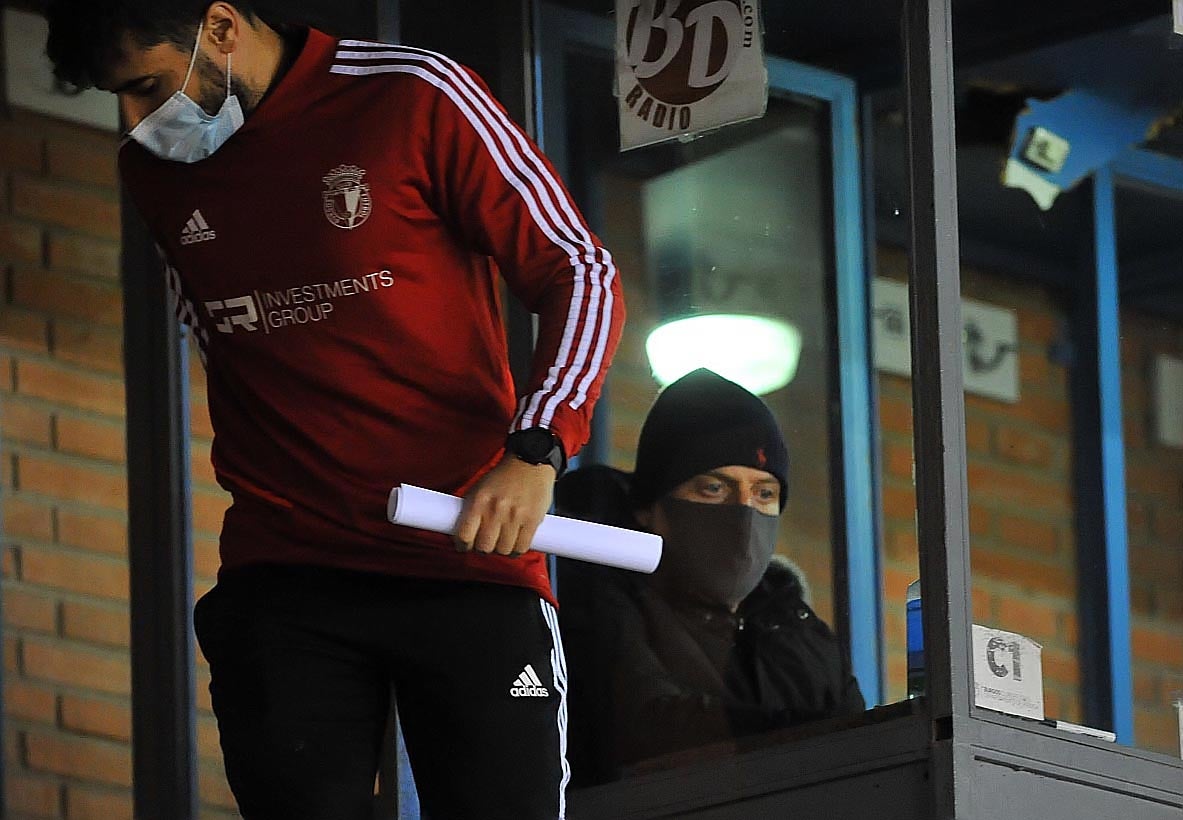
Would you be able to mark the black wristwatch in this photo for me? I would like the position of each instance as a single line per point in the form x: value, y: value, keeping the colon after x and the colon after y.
x: 537, y: 445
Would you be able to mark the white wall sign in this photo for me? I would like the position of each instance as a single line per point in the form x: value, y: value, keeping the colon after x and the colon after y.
x: 1008, y: 673
x: 28, y: 77
x: 685, y: 66
x: 990, y: 340
x: 1168, y: 400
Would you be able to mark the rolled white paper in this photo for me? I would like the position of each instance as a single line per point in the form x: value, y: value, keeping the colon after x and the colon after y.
x: 413, y: 506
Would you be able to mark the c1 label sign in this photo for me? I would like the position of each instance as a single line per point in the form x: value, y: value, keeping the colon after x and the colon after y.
x: 685, y: 66
x: 1008, y: 673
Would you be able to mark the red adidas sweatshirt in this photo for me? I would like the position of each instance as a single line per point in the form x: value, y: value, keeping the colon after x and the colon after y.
x: 338, y: 260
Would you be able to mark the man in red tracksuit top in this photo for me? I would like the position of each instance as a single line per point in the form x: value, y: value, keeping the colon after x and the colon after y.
x: 334, y: 216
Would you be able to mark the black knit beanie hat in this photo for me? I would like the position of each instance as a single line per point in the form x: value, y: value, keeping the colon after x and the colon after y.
x: 700, y: 422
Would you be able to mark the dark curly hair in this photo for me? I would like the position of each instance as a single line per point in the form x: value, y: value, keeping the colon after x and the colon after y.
x: 86, y: 37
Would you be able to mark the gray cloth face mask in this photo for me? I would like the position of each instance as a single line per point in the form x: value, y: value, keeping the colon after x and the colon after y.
x: 714, y: 554
x: 181, y: 131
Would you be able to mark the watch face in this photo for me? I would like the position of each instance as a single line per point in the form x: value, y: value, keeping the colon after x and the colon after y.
x: 533, y: 446
x: 537, y: 446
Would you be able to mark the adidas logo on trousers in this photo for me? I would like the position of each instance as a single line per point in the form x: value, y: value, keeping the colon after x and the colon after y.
x: 528, y: 685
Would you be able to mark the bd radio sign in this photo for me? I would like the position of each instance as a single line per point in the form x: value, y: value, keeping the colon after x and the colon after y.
x: 685, y: 66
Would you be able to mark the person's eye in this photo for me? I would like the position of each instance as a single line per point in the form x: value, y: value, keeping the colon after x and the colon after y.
x: 769, y: 494
x: 712, y: 488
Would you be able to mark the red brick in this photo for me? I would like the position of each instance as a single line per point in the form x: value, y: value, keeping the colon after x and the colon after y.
x: 1159, y: 646
x: 20, y: 149
x: 204, y: 702
x: 84, y: 436
x: 20, y: 242
x: 1048, y: 413
x: 1033, y: 575
x: 1142, y: 599
x: 1033, y: 369
x: 1026, y: 534
x: 895, y: 583
x: 98, y: 717
x: 91, y: 803
x: 901, y: 547
x: 80, y: 297
x: 88, y: 210
x: 1053, y: 705
x: 979, y: 520
x: 25, y: 422
x: 1018, y: 488
x: 20, y: 330
x: 71, y: 387
x: 213, y: 789
x: 899, y: 504
x: 1069, y: 628
x: 1154, y: 480
x: 12, y: 654
x: 895, y: 415
x: 83, y: 254
x: 1157, y: 565
x: 26, y: 518
x: 209, y: 508
x: 1021, y: 447
x: 1137, y: 520
x: 98, y: 624
x: 1035, y: 619
x: 1156, y: 729
x: 983, y: 606
x: 76, y: 161
x: 897, y: 460
x: 200, y: 466
x: 208, y: 746
x: 1168, y: 527
x: 1134, y: 429
x: 31, y: 609
x: 32, y: 796
x: 75, y: 572
x: 28, y: 701
x: 76, y: 666
x: 95, y: 484
x: 977, y: 436
x: 94, y: 532
x: 91, y: 346
x: 199, y: 421
x: 81, y: 758
x: 1038, y: 328
x: 1146, y: 688
x: 7, y: 373
x: 1060, y: 667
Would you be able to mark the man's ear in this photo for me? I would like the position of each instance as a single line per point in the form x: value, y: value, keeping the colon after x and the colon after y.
x: 223, y: 26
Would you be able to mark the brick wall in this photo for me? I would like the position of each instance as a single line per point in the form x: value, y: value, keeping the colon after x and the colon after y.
x: 64, y: 488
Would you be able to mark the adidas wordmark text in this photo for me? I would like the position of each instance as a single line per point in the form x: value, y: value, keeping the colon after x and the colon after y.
x: 528, y: 685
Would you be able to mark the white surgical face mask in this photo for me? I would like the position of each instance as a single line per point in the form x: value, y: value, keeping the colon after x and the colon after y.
x: 180, y: 130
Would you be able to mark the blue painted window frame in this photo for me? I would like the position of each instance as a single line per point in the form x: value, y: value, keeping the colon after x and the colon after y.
x: 1165, y: 174
x: 560, y: 29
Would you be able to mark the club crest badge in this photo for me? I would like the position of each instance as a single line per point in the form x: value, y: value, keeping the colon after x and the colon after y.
x: 347, y: 202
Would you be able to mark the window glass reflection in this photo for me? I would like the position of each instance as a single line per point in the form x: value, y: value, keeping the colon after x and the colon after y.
x: 1152, y: 405
x: 723, y: 647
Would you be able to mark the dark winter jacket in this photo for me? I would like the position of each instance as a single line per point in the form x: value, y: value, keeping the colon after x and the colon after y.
x: 649, y: 676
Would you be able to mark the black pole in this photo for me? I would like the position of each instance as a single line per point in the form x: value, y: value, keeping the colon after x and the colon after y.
x: 164, y: 748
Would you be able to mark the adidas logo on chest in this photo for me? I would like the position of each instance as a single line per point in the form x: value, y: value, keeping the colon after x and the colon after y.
x: 528, y: 685
x: 197, y: 230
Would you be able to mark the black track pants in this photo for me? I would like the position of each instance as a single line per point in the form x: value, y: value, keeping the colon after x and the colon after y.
x: 303, y: 661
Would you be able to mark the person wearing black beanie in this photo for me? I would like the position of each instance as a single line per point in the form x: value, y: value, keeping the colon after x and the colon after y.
x: 719, y: 642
